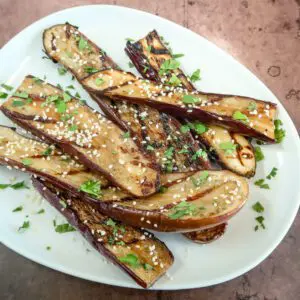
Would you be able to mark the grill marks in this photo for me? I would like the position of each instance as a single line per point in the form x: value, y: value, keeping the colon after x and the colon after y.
x: 121, y: 113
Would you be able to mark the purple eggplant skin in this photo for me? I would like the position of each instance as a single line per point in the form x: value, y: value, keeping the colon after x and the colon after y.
x: 208, y: 235
x: 72, y: 218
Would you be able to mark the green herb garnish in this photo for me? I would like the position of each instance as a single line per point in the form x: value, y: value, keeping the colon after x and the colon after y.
x: 237, y: 115
x: 200, y: 153
x: 168, y: 65
x: 261, y: 183
x: 91, y: 187
x: 47, y: 152
x: 7, y: 87
x: 177, y: 55
x: 228, y: 147
x: 259, y: 155
x: 199, y: 127
x: 18, y: 103
x: 126, y: 135
x: 201, y: 179
x: 185, y: 128
x: 195, y: 76
x: 258, y: 207
x: 63, y: 228
x: 189, y: 99
x: 19, y: 208
x: 260, y: 220
x: 147, y: 267
x: 174, y: 80
x: 169, y: 152
x: 22, y: 95
x: 61, y: 71
x: 48, y: 248
x: 3, y: 95
x: 83, y: 44
x: 15, y: 186
x: 130, y: 64
x: 25, y: 226
x: 99, y: 81
x: 279, y: 132
x: 131, y: 259
x: 183, y: 209
x: 90, y: 70
x: 73, y: 127
x: 150, y: 148
x: 41, y: 211
x: 252, y: 106
x: 26, y: 162
x: 273, y: 173
x: 162, y: 189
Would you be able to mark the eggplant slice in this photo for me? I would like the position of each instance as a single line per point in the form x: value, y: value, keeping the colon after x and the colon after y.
x: 229, y: 111
x: 118, y: 242
x: 96, y: 142
x: 156, y: 133
x: 208, y: 235
x: 148, y: 55
x: 206, y: 199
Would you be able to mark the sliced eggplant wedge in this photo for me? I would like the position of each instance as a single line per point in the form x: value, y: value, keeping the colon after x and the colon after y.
x: 45, y: 161
x: 156, y: 133
x: 148, y: 55
x: 139, y: 253
x: 206, y: 199
x: 229, y: 111
x: 208, y: 235
x: 96, y: 142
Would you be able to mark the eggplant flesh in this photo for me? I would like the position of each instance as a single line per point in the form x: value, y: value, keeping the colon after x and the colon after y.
x: 148, y: 62
x: 84, y: 134
x: 153, y: 131
x: 229, y: 111
x: 111, y: 238
x: 203, y: 200
x: 208, y: 235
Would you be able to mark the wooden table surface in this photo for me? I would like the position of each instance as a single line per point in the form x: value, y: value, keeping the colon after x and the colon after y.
x: 264, y: 35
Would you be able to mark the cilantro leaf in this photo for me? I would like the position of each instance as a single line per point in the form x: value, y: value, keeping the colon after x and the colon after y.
x: 7, y: 87
x: 174, y: 80
x: 26, y: 161
x: 61, y: 71
x: 185, y: 128
x: 239, y: 116
x: 19, y: 208
x: 91, y: 187
x: 190, y: 99
x: 259, y: 155
x: 261, y: 183
x: 90, y: 70
x: 18, y: 103
x: 228, y: 147
x: 3, y: 95
x: 130, y: 259
x: 126, y: 135
x: 201, y: 179
x: 24, y: 226
x: 177, y: 55
x: 99, y: 81
x: 273, y: 173
x: 168, y: 65
x: 279, y: 132
x: 200, y: 153
x: 252, y: 106
x: 195, y: 76
x: 63, y: 228
x: 258, y: 207
x: 182, y: 209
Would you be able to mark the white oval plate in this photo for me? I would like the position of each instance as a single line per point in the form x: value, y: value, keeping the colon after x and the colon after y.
x: 195, y: 266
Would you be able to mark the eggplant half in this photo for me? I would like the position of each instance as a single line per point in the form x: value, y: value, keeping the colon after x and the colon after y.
x: 149, y: 55
x: 229, y: 111
x: 139, y: 253
x: 203, y: 200
x: 155, y: 132
x: 58, y: 118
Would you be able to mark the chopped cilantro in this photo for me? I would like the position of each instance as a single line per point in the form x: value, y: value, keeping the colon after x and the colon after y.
x: 3, y: 95
x: 99, y: 81
x: 24, y: 226
x: 147, y: 267
x: 150, y: 148
x: 184, y: 150
x: 258, y: 207
x: 70, y: 87
x: 200, y: 127
x: 174, y: 80
x: 259, y: 155
x: 7, y: 87
x: 47, y: 152
x: 201, y: 179
x: 167, y: 65
x: 279, y: 132
x: 195, y: 76
x: 126, y: 135
x: 129, y: 40
x: 48, y: 248
x: 77, y: 95
x: 177, y: 55
x: 90, y: 70
x: 130, y: 259
x: 19, y: 208
x: 162, y: 189
x: 41, y: 211
x: 16, y: 186
x: 200, y: 153
x: 63, y: 228
x: 237, y: 115
x: 182, y: 209
x: 18, y: 103
x: 169, y: 152
x: 190, y: 99
x: 91, y: 187
x: 83, y: 44
x: 228, y: 147
x: 130, y: 64
x: 252, y: 106
x: 73, y: 127
x: 67, y: 97
x: 261, y: 183
x: 26, y: 162
x: 37, y: 80
x: 61, y: 71
x: 185, y: 128
x: 22, y: 95
x: 61, y: 106
x: 273, y: 173
x: 260, y: 221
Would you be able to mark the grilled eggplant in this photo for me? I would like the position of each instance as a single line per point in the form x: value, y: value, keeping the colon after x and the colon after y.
x: 156, y: 133
x: 148, y: 55
x: 206, y: 199
x: 229, y: 111
x: 137, y: 252
x: 96, y: 142
x: 208, y: 235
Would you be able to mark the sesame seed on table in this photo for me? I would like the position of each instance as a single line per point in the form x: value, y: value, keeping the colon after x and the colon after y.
x: 267, y: 42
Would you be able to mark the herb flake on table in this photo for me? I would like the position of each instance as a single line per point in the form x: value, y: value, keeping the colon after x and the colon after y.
x: 63, y: 228
x: 261, y: 183
x: 19, y: 208
x: 259, y: 155
x: 258, y: 207
x: 279, y: 132
x: 15, y: 186
x: 272, y: 174
x: 24, y: 227
x: 7, y: 87
x: 195, y: 76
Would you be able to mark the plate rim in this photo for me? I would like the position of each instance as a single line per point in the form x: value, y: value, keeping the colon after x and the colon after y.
x: 131, y: 284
